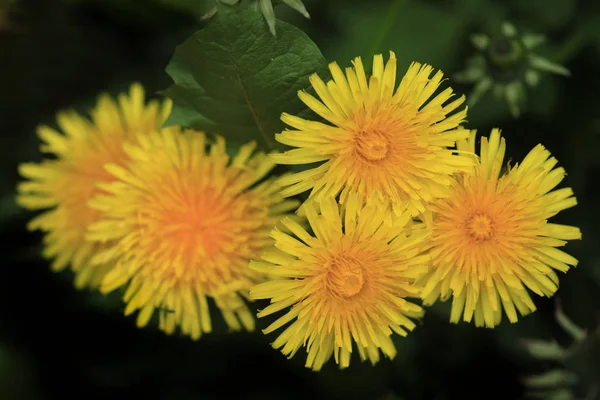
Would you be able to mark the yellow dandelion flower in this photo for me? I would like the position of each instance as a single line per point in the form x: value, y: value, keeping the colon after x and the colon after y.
x: 491, y: 239
x: 347, y: 284
x: 383, y: 142
x: 182, y: 223
x: 63, y: 184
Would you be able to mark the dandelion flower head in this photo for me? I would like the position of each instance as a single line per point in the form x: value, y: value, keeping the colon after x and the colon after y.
x: 347, y: 286
x: 385, y: 143
x: 61, y: 185
x: 183, y: 221
x: 491, y: 240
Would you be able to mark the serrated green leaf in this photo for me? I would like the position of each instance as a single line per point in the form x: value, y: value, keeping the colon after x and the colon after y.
x: 235, y: 79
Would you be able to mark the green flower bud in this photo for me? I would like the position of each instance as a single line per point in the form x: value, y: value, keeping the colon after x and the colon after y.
x: 506, y: 65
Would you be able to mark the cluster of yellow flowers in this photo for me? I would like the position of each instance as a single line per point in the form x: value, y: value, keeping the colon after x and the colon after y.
x: 400, y: 207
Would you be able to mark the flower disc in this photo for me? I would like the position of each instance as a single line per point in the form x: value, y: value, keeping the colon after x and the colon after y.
x: 184, y: 222
x: 491, y: 238
x: 385, y: 143
x: 349, y: 284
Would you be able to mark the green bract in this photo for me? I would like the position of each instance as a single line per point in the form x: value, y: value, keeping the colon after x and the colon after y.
x: 266, y: 8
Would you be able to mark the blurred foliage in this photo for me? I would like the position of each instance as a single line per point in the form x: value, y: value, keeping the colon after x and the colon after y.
x: 57, y: 342
x: 574, y: 370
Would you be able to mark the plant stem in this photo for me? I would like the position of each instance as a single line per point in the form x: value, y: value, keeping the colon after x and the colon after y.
x: 387, y: 25
x: 581, y: 37
x: 569, y: 48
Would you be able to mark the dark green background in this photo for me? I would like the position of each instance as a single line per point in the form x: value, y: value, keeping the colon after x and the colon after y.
x: 56, y: 342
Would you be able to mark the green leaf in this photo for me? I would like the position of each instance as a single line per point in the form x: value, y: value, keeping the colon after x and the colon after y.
x: 235, y: 79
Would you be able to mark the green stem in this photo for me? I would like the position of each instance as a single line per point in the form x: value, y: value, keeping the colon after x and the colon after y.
x: 569, y: 48
x: 386, y: 25
x: 577, y: 41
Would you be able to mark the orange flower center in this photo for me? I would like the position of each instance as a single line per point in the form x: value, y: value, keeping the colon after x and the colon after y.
x: 345, y: 278
x: 480, y: 227
x: 197, y: 223
x: 372, y: 145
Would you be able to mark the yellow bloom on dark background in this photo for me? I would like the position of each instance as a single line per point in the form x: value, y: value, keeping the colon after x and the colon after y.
x: 188, y: 234
x: 62, y: 185
x: 180, y: 224
x: 385, y: 143
x: 491, y: 239
x: 348, y: 284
